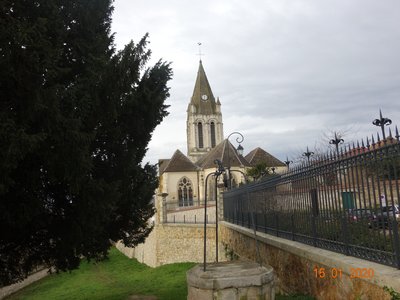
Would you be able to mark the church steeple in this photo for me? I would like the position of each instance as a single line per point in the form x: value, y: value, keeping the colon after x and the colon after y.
x: 204, y: 118
x: 203, y: 99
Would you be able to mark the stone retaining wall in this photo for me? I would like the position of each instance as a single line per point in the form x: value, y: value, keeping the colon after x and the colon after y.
x: 10, y: 289
x: 172, y: 243
x: 295, y: 264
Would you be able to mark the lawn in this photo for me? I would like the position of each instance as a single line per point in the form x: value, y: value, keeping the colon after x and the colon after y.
x: 116, y: 278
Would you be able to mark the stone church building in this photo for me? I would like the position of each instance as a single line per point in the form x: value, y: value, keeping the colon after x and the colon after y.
x: 178, y: 234
x: 182, y: 176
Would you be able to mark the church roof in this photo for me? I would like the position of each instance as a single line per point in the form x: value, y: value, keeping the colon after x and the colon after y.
x: 259, y: 155
x: 225, y: 152
x: 205, y: 105
x: 179, y: 163
x: 162, y: 164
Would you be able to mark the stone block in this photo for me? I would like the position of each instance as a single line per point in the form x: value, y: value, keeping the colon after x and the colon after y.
x: 232, y: 280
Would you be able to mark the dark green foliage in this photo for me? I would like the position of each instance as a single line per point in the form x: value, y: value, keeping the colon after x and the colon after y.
x: 258, y: 171
x: 75, y: 120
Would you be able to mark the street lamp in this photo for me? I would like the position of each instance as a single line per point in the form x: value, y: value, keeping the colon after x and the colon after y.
x: 381, y: 122
x: 308, y: 153
x: 239, y: 150
x: 336, y: 141
x: 220, y: 169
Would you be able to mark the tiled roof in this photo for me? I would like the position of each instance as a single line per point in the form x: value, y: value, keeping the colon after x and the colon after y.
x: 162, y: 164
x: 225, y: 152
x: 259, y: 155
x: 180, y: 163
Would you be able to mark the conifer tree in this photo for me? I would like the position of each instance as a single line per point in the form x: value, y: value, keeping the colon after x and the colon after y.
x: 76, y: 117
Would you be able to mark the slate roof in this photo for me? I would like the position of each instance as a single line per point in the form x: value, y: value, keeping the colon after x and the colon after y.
x: 162, y: 164
x: 259, y: 155
x: 202, y: 87
x: 225, y: 152
x: 179, y: 163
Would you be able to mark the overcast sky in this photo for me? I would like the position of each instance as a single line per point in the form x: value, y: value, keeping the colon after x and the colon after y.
x: 288, y: 73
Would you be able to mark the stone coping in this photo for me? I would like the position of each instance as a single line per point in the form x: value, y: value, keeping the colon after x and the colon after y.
x: 224, y: 275
x: 383, y: 275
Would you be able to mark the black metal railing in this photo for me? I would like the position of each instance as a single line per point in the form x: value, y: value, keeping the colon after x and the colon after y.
x: 347, y: 202
x: 177, y: 213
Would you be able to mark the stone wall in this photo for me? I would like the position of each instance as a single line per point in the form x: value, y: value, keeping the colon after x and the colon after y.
x: 172, y: 243
x: 295, y: 264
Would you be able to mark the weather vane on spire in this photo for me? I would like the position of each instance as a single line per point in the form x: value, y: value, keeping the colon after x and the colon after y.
x: 200, y: 54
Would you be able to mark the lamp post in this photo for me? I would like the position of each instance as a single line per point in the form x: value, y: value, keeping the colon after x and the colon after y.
x: 239, y: 150
x: 336, y: 141
x: 381, y: 122
x: 220, y: 169
x: 307, y: 154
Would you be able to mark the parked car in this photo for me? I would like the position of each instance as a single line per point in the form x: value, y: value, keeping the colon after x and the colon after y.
x: 387, y: 214
x: 362, y: 214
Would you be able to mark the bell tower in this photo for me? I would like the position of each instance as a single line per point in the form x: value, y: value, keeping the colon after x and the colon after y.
x: 204, y: 126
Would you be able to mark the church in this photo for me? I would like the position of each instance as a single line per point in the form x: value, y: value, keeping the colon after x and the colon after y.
x: 182, y: 176
x: 178, y: 234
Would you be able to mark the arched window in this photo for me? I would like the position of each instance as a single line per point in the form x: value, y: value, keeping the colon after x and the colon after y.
x: 200, y: 133
x: 212, y: 127
x: 185, y: 192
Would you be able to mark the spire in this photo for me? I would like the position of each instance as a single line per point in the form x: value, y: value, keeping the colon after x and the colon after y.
x: 203, y: 98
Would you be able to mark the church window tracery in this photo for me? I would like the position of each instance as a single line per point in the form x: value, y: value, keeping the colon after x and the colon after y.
x: 185, y: 192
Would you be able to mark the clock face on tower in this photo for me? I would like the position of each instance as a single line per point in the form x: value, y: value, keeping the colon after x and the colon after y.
x: 204, y: 97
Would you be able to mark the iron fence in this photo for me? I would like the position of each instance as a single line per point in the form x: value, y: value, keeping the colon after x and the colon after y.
x: 177, y: 213
x: 347, y: 202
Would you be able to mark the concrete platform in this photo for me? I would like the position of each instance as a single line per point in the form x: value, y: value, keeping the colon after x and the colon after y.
x: 231, y: 280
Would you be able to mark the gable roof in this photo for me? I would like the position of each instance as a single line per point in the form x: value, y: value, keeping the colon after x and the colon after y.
x: 162, y: 164
x: 225, y: 152
x: 259, y: 155
x: 179, y: 163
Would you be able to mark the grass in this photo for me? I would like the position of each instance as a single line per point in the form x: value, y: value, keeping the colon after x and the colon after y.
x: 116, y: 278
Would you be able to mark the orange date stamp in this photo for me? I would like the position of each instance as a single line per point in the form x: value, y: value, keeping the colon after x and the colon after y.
x: 334, y: 273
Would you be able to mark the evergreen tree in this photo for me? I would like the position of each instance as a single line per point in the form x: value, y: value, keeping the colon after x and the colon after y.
x: 75, y: 121
x: 258, y: 171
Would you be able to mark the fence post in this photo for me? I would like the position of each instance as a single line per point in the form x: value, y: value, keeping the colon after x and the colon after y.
x: 292, y: 224
x: 164, y: 218
x: 345, y: 236
x: 315, y: 213
x: 314, y: 231
x: 396, y: 242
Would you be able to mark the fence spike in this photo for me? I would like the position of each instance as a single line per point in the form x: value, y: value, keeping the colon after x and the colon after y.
x: 373, y: 142
x: 397, y: 136
x: 362, y: 144
x: 379, y: 139
x: 368, y: 145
